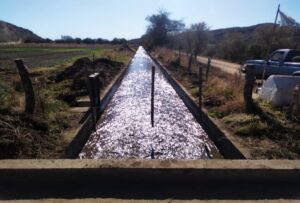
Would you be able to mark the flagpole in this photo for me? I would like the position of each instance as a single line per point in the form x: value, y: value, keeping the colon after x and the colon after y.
x: 278, y: 9
x: 271, y: 41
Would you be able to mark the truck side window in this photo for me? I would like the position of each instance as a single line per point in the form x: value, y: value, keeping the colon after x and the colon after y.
x: 278, y: 56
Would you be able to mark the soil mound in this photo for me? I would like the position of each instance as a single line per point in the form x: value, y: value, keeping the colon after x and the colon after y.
x: 80, y: 67
x: 84, y: 67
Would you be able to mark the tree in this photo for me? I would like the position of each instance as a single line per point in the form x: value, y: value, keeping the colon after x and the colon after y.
x: 159, y: 28
x: 233, y: 47
x: 196, y: 38
x: 77, y: 40
x: 47, y: 40
x: 66, y: 39
x: 188, y: 41
x: 200, y: 37
x: 265, y: 40
x: 118, y: 41
x: 88, y: 41
x: 188, y: 44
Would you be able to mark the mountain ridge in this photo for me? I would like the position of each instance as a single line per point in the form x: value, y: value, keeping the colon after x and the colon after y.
x: 12, y: 33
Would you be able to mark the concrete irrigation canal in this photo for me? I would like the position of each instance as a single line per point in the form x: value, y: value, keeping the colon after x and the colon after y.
x: 125, y: 130
x: 116, y: 159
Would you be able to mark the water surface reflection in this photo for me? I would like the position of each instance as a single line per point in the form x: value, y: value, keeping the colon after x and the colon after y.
x: 125, y: 131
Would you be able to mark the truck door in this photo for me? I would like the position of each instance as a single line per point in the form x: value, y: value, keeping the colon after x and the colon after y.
x: 274, y: 63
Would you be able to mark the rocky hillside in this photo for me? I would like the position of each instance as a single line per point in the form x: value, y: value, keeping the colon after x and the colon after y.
x: 13, y: 33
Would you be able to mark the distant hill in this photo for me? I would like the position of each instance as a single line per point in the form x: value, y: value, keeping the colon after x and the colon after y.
x: 13, y: 33
x: 219, y: 34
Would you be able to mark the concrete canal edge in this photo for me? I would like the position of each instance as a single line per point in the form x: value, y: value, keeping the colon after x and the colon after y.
x: 222, y: 139
x: 130, y: 170
x: 86, y: 128
x: 150, y: 179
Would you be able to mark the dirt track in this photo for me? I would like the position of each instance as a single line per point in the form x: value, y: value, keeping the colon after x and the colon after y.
x: 228, y: 67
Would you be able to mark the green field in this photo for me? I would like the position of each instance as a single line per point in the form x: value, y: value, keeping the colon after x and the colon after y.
x: 44, y: 57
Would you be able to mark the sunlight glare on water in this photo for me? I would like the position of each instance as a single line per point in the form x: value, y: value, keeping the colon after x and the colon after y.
x: 124, y: 130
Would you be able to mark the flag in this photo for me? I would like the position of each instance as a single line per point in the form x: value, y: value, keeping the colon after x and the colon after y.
x: 287, y: 20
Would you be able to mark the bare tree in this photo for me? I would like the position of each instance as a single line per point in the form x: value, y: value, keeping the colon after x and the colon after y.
x: 159, y: 28
x: 188, y: 45
x: 196, y: 40
x: 200, y: 36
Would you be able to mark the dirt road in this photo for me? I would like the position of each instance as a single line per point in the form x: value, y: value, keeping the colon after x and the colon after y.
x: 228, y: 67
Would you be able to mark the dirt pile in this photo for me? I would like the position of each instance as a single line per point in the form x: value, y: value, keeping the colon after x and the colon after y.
x: 83, y: 67
x: 80, y: 70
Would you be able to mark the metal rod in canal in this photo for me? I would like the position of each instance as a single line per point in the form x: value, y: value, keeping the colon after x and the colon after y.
x: 152, y: 96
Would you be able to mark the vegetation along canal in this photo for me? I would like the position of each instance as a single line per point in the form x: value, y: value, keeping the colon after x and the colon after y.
x: 125, y: 130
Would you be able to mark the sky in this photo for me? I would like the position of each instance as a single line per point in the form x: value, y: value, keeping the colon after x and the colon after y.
x: 126, y: 18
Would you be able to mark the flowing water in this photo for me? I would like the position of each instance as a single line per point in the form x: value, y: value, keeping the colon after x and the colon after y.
x: 125, y: 131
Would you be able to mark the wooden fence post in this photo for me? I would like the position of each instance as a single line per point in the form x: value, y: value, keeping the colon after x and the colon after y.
x: 207, y: 68
x: 152, y: 95
x: 27, y: 85
x: 190, y: 63
x: 248, y: 88
x: 94, y: 93
x: 200, y: 87
x: 296, y: 101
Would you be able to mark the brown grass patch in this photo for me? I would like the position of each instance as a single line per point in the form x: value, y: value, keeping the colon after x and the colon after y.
x: 21, y: 136
x: 223, y: 98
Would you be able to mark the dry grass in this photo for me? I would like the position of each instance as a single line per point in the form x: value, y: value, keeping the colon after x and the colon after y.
x: 40, y: 136
x: 222, y: 93
x: 27, y: 137
x: 223, y: 98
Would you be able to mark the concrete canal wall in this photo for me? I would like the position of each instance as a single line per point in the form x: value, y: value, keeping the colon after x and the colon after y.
x: 150, y: 179
x: 226, y: 146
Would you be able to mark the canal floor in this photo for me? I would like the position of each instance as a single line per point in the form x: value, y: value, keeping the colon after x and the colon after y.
x: 125, y: 131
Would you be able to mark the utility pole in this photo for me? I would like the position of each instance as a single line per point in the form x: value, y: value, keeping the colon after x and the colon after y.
x: 270, y: 44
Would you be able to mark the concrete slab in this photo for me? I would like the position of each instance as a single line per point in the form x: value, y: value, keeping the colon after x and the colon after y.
x: 150, y: 180
x: 111, y: 200
x: 32, y: 164
x: 83, y: 102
